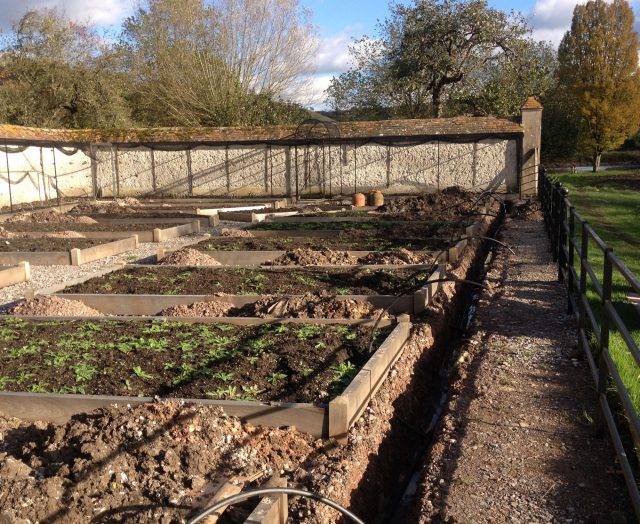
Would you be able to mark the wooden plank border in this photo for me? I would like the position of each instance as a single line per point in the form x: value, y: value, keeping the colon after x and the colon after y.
x: 151, y: 305
x: 345, y: 409
x: 15, y: 275
x: 91, y: 254
x: 160, y: 235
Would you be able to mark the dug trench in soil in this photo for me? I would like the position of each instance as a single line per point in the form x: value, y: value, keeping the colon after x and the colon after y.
x: 34, y: 245
x: 248, y: 281
x: 407, y: 236
x: 370, y: 473
x: 268, y: 362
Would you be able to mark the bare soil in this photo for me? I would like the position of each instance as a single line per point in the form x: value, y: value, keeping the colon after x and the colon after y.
x: 518, y: 442
x: 150, y: 463
x: 397, y: 256
x: 48, y: 216
x: 292, y: 363
x: 309, y: 257
x: 407, y: 236
x: 59, y: 226
x: 315, y: 305
x: 34, y: 245
x: 235, y: 233
x: 118, y: 205
x: 450, y: 204
x: 241, y: 281
x: 53, y: 306
x: 188, y: 257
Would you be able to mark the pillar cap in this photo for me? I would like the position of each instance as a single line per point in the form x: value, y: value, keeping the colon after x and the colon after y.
x: 531, y: 103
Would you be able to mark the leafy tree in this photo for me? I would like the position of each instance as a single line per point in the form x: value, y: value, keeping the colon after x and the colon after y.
x: 55, y: 75
x: 598, y: 68
x: 425, y: 52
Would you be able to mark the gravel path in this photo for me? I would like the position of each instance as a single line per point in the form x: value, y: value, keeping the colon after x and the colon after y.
x: 45, y: 276
x: 517, y: 442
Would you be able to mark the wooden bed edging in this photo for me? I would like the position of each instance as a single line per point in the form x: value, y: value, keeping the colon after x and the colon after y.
x: 36, y: 258
x: 15, y: 275
x: 345, y: 409
x: 235, y: 321
x: 73, y: 257
x: 320, y: 421
x: 160, y: 235
x: 93, y: 253
x: 252, y: 216
x: 205, y: 221
x: 58, y: 408
x: 151, y: 305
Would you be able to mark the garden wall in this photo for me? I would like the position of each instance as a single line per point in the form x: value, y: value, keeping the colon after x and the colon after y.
x: 259, y: 169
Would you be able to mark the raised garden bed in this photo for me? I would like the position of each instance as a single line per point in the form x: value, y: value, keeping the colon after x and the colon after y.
x: 41, y: 244
x: 156, y: 232
x: 50, y: 255
x: 242, y: 281
x: 52, y: 369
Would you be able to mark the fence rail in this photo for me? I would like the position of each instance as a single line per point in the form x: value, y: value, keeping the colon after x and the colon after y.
x: 570, y: 237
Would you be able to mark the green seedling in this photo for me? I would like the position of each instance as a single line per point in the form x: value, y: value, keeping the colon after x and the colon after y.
x: 5, y: 381
x: 23, y: 377
x: 226, y: 393
x: 222, y: 376
x: 58, y: 358
x: 307, y: 331
x: 276, y: 377
x: 156, y: 328
x: 33, y: 348
x: 76, y: 390
x: 343, y: 373
x: 249, y: 393
x: 141, y: 373
x: 259, y: 346
x: 343, y: 291
x: 187, y: 372
x: 320, y: 345
x: 38, y: 388
x: 84, y: 372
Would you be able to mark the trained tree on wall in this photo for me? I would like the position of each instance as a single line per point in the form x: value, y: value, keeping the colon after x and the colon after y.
x: 598, y: 68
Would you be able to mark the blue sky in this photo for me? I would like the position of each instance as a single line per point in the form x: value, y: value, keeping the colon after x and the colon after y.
x: 339, y: 22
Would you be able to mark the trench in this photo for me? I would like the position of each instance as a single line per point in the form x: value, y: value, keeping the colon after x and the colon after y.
x: 388, y: 488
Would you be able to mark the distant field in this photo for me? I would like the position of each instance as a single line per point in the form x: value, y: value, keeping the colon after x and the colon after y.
x: 610, y: 201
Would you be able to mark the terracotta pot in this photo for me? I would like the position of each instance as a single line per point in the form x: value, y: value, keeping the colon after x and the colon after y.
x: 359, y: 200
x: 376, y: 198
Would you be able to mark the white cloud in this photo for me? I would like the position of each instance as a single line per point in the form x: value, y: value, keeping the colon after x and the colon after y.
x: 333, y: 55
x: 313, y: 94
x: 99, y: 12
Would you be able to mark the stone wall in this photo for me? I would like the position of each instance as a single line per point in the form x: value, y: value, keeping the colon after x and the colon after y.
x: 263, y: 170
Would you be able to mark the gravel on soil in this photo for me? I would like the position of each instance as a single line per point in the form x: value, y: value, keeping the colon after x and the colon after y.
x: 188, y: 257
x: 49, y: 305
x: 517, y: 442
x: 310, y: 257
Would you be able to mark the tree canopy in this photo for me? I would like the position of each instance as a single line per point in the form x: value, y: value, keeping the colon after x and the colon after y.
x: 598, y: 70
x: 175, y: 62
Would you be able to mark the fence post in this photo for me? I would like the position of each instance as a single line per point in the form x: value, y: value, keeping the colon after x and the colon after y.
x: 570, y: 262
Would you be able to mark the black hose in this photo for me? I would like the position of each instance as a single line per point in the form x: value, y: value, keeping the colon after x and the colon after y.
x: 246, y: 495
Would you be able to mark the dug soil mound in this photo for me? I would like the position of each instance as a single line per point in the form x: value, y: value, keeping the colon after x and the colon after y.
x: 396, y: 256
x: 118, y: 205
x: 65, y: 234
x: 210, y: 308
x: 450, y: 204
x: 310, y: 257
x: 148, y: 463
x: 49, y: 216
x: 5, y: 234
x: 314, y: 305
x: 235, y: 233
x: 52, y: 306
x: 188, y: 257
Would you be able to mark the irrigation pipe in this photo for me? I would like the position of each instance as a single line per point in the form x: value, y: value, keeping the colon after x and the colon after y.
x: 246, y: 495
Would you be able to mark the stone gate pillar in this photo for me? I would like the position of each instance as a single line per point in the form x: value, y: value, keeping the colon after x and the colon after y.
x: 531, y: 120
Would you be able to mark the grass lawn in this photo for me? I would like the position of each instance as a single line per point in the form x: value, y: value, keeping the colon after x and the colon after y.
x: 610, y: 201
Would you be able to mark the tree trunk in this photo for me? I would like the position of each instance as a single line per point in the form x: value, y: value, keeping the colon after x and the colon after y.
x: 436, y: 102
x: 596, y: 162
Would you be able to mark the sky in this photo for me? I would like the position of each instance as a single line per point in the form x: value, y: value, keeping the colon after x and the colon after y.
x: 339, y: 23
